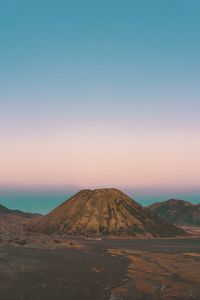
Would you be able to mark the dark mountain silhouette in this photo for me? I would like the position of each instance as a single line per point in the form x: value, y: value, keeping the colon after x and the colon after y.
x: 177, y: 212
x: 5, y: 210
x: 104, y: 212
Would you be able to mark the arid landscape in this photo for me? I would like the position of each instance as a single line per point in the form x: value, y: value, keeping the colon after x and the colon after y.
x: 99, y: 150
x: 66, y: 268
x: 36, y: 265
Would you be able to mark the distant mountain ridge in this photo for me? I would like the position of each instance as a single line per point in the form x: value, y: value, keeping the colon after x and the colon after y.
x: 5, y: 210
x: 105, y: 212
x: 177, y: 212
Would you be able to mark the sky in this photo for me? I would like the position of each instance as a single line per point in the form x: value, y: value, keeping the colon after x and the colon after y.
x: 99, y: 94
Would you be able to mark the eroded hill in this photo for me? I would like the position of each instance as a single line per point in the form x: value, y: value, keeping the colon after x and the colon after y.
x: 107, y: 212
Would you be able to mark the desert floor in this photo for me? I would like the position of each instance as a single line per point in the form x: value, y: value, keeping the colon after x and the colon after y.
x: 41, y: 267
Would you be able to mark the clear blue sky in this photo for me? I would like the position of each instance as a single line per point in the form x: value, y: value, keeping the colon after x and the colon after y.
x: 96, y: 93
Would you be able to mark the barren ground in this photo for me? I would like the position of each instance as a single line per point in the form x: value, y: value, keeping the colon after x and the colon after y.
x: 39, y: 267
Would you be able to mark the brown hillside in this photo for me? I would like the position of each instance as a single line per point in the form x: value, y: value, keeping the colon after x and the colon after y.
x: 178, y: 212
x: 104, y: 212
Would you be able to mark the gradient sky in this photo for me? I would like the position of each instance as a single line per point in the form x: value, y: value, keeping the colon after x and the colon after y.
x: 100, y: 93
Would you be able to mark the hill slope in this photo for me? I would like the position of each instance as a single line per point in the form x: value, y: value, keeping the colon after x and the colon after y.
x: 177, y: 212
x: 5, y: 210
x: 104, y: 212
